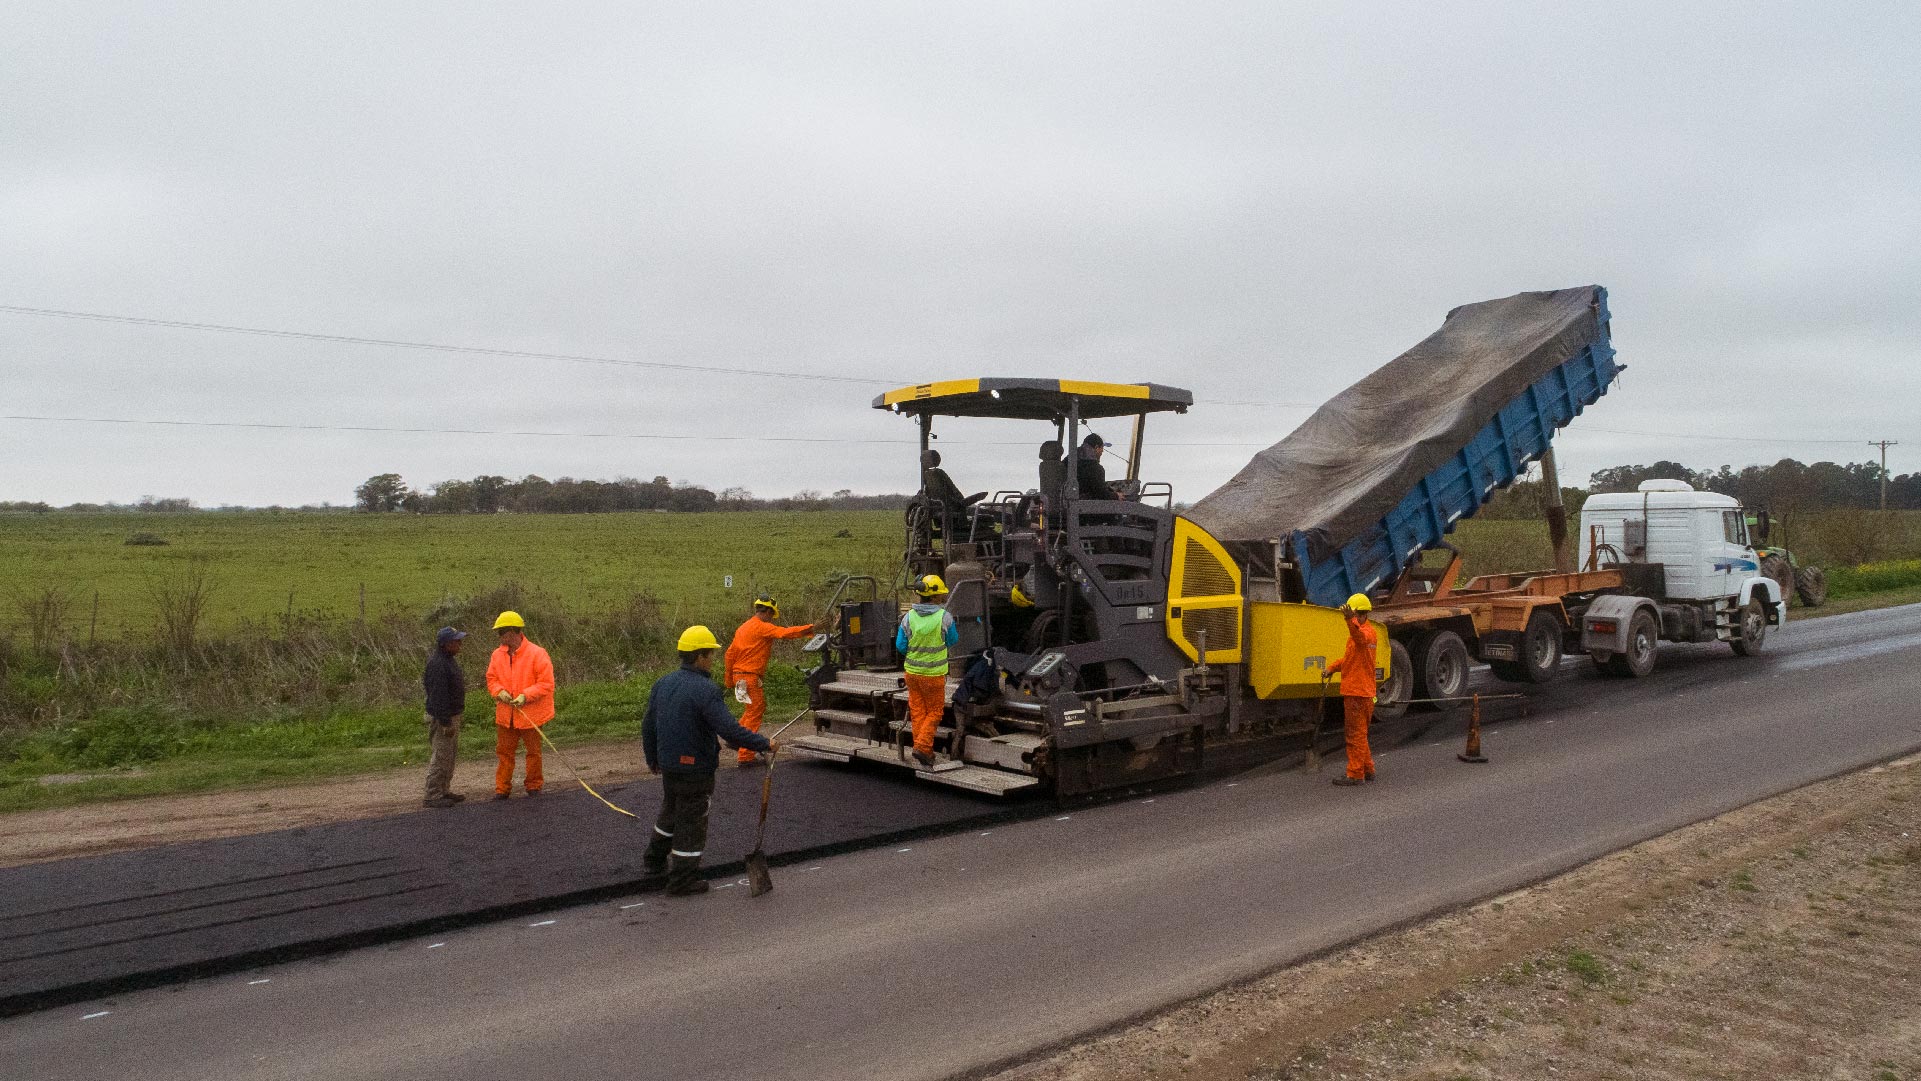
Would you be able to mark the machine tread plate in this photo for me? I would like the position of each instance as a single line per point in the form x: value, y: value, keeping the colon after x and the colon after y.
x: 946, y: 771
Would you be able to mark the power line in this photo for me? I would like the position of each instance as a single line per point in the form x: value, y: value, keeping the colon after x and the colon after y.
x: 439, y: 347
x: 510, y: 433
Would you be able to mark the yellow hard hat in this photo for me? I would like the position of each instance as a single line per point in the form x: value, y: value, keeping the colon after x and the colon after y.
x: 697, y: 638
x: 931, y: 586
x: 509, y: 619
x: 1360, y: 603
x: 767, y: 602
x: 1020, y: 599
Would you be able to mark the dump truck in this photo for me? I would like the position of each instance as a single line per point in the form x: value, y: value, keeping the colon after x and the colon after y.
x: 1110, y: 639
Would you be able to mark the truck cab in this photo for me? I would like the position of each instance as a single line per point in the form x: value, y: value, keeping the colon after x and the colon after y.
x: 1693, y: 566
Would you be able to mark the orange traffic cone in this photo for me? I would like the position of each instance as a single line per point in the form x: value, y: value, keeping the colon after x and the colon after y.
x: 1473, y: 751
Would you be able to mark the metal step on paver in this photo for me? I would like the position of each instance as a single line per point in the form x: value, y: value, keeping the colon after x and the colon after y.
x: 996, y: 782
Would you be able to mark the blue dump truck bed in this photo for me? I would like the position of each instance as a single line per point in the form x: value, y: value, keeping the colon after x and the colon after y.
x: 1386, y: 468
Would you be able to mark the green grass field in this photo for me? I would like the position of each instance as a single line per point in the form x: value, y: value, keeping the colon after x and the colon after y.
x: 263, y: 565
x: 262, y: 698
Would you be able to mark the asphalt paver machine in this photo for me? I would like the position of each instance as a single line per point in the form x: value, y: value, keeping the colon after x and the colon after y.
x: 1086, y: 624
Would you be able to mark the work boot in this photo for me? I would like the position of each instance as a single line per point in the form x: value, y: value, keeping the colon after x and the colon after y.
x: 533, y: 791
x: 455, y: 796
x: 1370, y: 777
x: 502, y: 795
x: 440, y: 801
x: 1346, y: 782
x: 683, y: 876
x: 926, y: 760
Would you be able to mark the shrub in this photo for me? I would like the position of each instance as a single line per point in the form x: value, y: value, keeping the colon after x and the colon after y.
x: 144, y: 539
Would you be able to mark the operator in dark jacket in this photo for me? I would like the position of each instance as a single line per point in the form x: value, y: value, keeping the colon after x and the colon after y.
x: 681, y: 731
x: 446, y: 691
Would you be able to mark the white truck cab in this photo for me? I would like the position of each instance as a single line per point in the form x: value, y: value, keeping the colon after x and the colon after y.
x: 1709, y: 588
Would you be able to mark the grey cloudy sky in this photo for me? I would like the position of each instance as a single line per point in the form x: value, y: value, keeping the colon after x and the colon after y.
x: 1256, y: 201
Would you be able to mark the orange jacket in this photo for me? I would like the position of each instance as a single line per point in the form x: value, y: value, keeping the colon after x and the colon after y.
x: 754, y: 643
x: 527, y: 671
x: 1356, y: 666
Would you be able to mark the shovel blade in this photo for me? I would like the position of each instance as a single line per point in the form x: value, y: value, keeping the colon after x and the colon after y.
x: 759, y: 879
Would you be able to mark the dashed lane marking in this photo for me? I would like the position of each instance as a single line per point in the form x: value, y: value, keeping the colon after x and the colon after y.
x: 636, y: 904
x: 1063, y: 818
x: 256, y: 983
x: 91, y: 1016
x: 436, y: 945
x: 544, y: 923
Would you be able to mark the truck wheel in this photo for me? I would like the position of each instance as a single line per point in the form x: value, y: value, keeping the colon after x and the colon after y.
x: 1540, y: 648
x: 1811, y: 585
x: 1753, y: 630
x: 1644, y: 639
x: 1391, y: 700
x: 1778, y: 568
x: 1440, y: 665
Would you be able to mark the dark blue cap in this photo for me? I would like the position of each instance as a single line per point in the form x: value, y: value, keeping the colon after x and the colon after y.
x: 448, y: 634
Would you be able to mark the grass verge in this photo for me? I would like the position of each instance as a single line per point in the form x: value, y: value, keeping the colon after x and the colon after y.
x: 128, y: 753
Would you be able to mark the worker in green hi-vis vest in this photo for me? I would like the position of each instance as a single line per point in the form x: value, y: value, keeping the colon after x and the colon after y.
x: 926, y: 634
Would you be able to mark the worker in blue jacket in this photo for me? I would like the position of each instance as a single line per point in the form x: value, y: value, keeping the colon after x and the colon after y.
x: 681, y: 731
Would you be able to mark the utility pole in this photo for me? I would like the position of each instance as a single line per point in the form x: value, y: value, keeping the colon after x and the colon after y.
x: 1884, y: 444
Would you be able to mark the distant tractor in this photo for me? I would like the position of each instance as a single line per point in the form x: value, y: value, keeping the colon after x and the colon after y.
x: 1809, y: 583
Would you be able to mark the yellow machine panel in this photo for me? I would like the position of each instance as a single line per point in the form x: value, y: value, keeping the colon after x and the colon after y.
x: 1203, y: 597
x: 1291, y: 644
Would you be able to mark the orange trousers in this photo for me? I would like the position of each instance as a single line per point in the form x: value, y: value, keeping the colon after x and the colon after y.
x: 507, y: 739
x: 1359, y: 711
x: 756, y: 711
x: 926, y: 701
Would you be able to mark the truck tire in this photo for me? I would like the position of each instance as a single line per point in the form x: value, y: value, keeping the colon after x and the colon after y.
x: 1644, y: 640
x: 1811, y: 585
x: 1778, y: 568
x: 1540, y: 658
x: 1440, y: 665
x: 1752, y: 632
x: 1391, y: 700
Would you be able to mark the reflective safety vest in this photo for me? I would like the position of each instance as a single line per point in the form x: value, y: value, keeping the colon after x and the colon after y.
x: 926, y: 643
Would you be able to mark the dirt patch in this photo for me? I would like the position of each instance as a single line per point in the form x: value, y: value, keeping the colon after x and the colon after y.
x: 93, y: 829
x: 1775, y: 941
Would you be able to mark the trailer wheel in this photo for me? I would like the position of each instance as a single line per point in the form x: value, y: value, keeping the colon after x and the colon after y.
x: 1644, y: 639
x: 1440, y: 665
x: 1391, y: 701
x: 1811, y: 585
x: 1540, y: 647
x: 1753, y: 632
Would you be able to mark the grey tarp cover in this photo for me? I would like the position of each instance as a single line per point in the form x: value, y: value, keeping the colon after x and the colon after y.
x: 1362, y: 452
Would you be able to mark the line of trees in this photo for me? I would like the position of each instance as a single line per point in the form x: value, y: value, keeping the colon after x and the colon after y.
x: 1786, y: 488
x: 389, y: 493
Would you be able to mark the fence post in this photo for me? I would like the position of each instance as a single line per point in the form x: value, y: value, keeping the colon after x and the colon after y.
x: 363, y: 604
x: 93, y: 622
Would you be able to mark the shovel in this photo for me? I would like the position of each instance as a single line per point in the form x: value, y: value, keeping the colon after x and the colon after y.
x: 759, y: 878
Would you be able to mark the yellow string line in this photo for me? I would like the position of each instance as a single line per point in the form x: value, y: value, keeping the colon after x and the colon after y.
x: 578, y: 779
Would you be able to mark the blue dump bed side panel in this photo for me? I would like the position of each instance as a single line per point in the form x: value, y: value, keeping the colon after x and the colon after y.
x: 1493, y: 458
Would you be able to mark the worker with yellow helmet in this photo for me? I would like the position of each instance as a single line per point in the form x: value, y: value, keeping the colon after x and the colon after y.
x: 680, y: 734
x: 746, y: 663
x: 1358, y: 688
x: 520, y: 677
x: 926, y: 633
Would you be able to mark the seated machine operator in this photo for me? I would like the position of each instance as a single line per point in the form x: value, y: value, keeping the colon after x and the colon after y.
x: 1090, y: 476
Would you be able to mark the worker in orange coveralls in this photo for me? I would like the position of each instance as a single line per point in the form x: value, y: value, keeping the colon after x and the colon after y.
x: 746, y: 664
x: 1358, y: 688
x: 521, y: 678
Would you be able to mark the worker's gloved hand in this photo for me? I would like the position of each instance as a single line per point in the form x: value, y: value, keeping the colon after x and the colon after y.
x: 773, y: 745
x: 503, y: 696
x: 741, y: 695
x: 520, y: 700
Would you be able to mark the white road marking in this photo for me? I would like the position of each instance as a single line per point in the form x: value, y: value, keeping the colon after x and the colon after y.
x: 1063, y: 818
x: 636, y: 904
x: 436, y: 945
x: 1232, y: 784
x: 1147, y: 801
x: 91, y: 1016
x: 255, y: 983
x: 899, y: 850
x: 726, y: 885
x: 983, y: 833
x: 543, y: 923
x: 815, y: 867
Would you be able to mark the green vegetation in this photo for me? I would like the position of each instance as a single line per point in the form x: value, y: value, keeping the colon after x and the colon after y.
x: 238, y: 651
x: 1588, y: 967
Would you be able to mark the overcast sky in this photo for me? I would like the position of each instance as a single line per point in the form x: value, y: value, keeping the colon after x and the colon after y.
x: 1259, y: 202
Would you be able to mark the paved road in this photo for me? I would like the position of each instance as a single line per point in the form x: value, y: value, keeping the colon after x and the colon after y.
x: 949, y: 955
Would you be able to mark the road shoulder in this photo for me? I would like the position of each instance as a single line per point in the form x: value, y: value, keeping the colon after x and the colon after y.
x: 1759, y: 943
